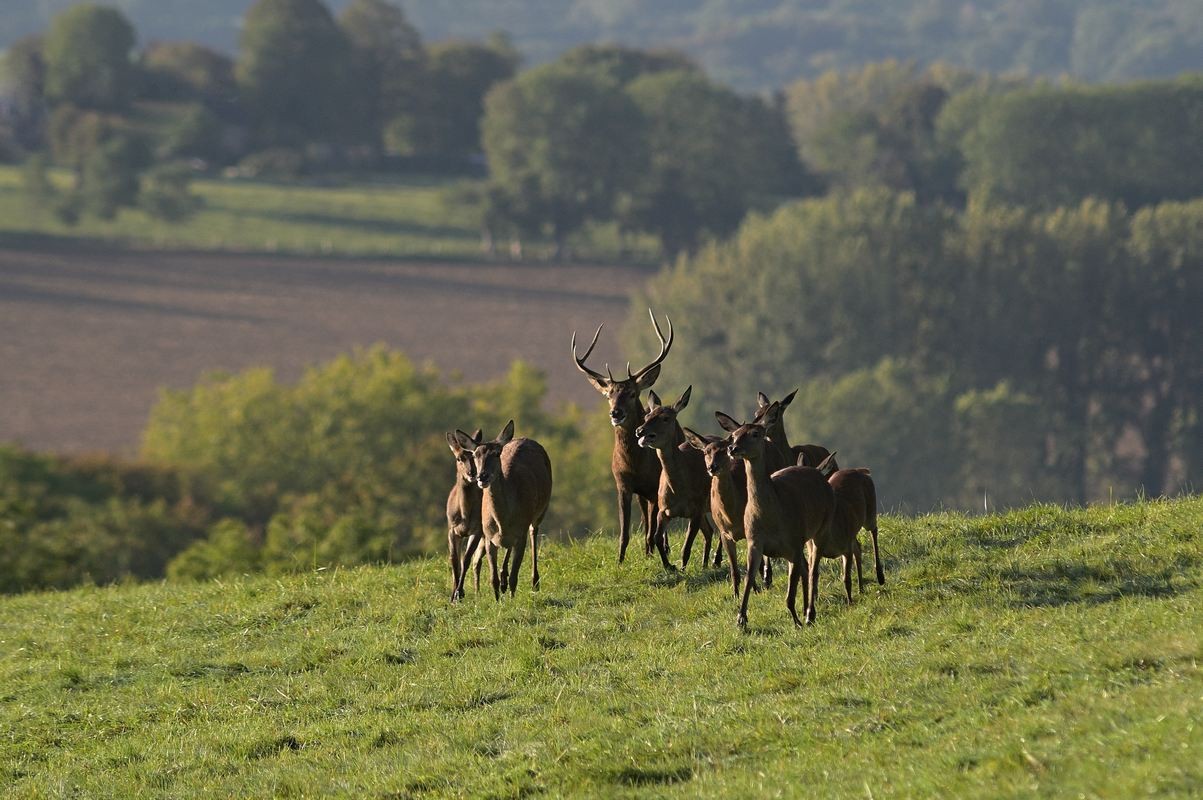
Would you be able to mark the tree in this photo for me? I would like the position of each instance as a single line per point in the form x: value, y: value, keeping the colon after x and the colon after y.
x: 88, y: 58
x: 459, y: 75
x: 707, y: 159
x: 25, y: 75
x: 567, y: 141
x: 293, y: 69
x: 189, y: 71
x: 387, y: 64
x: 1048, y: 147
x: 622, y: 65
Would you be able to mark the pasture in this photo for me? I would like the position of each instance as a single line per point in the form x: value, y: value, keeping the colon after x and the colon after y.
x: 410, y: 217
x: 1041, y: 653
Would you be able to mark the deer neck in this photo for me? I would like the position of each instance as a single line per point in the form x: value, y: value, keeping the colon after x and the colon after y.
x: 501, y: 499
x: 722, y: 487
x: 673, y: 469
x: 467, y: 500
x: 777, y: 436
x: 763, y: 505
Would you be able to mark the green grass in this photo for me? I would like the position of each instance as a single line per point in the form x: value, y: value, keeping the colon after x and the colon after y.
x: 1043, y: 653
x: 412, y: 218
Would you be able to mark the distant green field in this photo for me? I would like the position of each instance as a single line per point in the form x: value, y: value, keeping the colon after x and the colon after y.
x: 1043, y: 653
x: 414, y: 218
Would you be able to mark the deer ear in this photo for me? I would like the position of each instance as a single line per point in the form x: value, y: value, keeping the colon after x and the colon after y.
x: 602, y: 386
x: 478, y: 436
x: 653, y: 401
x: 693, y: 439
x: 762, y: 400
x: 507, y: 433
x: 684, y: 401
x: 789, y: 398
x: 770, y: 415
x: 826, y: 466
x: 463, y: 440
x: 726, y: 422
x: 453, y: 444
x: 648, y: 378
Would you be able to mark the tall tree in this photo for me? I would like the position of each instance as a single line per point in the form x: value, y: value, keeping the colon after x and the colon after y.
x: 387, y: 63
x: 293, y: 71
x: 88, y: 58
x: 567, y: 140
x: 459, y: 74
x: 25, y: 73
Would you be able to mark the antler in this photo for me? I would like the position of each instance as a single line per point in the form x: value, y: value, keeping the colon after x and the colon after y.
x: 580, y: 362
x: 664, y: 346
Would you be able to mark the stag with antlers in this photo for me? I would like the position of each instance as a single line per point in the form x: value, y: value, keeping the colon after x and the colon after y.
x: 636, y: 469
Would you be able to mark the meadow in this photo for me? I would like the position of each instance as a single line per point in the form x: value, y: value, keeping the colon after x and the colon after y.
x: 1041, y: 653
x: 411, y: 217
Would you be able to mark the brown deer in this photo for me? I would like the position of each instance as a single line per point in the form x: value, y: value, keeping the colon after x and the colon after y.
x: 515, y: 478
x: 803, y: 455
x: 636, y: 470
x: 463, y: 511
x: 728, y: 495
x: 785, y: 513
x: 684, y: 490
x: 855, y: 510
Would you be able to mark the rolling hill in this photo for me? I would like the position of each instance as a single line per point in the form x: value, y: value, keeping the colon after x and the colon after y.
x: 767, y: 43
x: 1041, y: 653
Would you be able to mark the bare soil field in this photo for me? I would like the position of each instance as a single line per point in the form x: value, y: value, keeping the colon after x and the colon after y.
x: 87, y: 337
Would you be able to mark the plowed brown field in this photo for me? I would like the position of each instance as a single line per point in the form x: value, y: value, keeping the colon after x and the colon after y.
x: 87, y: 337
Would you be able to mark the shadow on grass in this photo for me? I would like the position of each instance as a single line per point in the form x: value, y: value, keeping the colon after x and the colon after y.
x: 1066, y: 584
x: 381, y: 226
x: 652, y: 776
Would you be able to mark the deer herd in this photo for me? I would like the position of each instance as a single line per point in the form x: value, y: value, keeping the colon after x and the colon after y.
x: 792, y: 503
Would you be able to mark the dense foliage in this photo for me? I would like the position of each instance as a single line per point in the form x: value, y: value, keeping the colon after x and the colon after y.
x: 998, y: 351
x: 350, y: 465
x: 766, y: 44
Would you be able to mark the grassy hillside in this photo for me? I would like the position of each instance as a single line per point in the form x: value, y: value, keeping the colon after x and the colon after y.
x: 412, y: 218
x: 1041, y: 653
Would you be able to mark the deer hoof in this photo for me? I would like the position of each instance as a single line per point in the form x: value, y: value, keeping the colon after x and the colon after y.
x: 742, y: 620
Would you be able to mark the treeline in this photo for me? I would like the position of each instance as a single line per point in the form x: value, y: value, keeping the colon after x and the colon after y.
x: 989, y: 356
x: 766, y: 44
x: 243, y: 474
x: 307, y: 91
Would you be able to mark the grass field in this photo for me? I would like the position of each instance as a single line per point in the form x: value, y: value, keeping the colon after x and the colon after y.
x: 1043, y: 653
x: 413, y: 218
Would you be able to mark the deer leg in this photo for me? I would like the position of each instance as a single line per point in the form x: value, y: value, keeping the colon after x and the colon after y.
x: 491, y: 551
x: 453, y: 547
x: 476, y: 562
x: 708, y: 536
x: 846, y: 568
x: 812, y: 584
x: 647, y: 510
x: 690, y: 535
x: 534, y: 557
x: 519, y: 550
x: 881, y: 575
x: 719, y: 547
x: 505, y: 568
x: 796, y: 567
x: 856, y: 558
x: 469, y: 550
x: 624, y: 523
x: 768, y: 573
x: 753, y: 568
x: 733, y: 563
x: 661, y: 538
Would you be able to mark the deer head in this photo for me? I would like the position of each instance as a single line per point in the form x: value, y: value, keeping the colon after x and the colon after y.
x: 486, y: 456
x: 623, y: 393
x: 659, y: 426
x: 713, y: 448
x: 748, y: 440
x: 465, y: 464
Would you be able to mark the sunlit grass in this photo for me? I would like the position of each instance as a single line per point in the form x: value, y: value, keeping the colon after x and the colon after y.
x: 416, y: 217
x: 1040, y: 653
